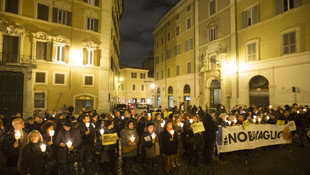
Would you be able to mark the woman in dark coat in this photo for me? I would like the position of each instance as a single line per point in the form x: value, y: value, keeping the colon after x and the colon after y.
x: 169, y: 145
x: 65, y: 134
x: 32, y: 158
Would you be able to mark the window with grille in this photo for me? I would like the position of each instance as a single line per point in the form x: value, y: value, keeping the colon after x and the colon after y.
x: 289, y: 42
x: 177, y: 70
x: 189, y: 67
x: 88, y: 80
x: 40, y: 77
x: 60, y: 53
x: 212, y: 7
x: 59, y: 78
x: 42, y: 12
x: 251, y: 51
x: 39, y: 100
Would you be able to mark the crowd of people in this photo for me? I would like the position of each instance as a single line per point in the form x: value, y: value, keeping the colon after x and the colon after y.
x: 60, y: 143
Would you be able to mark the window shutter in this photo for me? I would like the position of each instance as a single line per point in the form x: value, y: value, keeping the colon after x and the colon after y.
x: 67, y: 50
x: 208, y: 34
x: 255, y: 14
x: 244, y: 19
x: 54, y: 47
x: 38, y: 50
x: 84, y: 56
x: 297, y: 3
x: 95, y: 58
x: 279, y: 6
x: 69, y: 14
x: 96, y: 25
x: 49, y: 48
x: 97, y: 3
x: 85, y: 1
x: 55, y: 11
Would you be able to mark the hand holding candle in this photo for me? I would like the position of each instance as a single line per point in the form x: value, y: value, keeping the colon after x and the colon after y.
x: 162, y: 124
x: 259, y: 120
x: 229, y: 122
x: 87, y: 125
x: 254, y: 120
x: 101, y: 131
x: 132, y: 138
x: 51, y: 132
x: 69, y: 144
x: 267, y: 117
x: 191, y: 120
x: 172, y: 132
x: 153, y: 136
x: 181, y: 124
x: 17, y: 135
x: 43, y: 148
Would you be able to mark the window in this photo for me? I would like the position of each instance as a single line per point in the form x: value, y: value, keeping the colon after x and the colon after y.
x: 11, y: 6
x: 188, y: 8
x: 177, y: 17
x: 177, y: 30
x: 168, y: 54
x: 59, y: 78
x: 42, y: 12
x: 189, y: 44
x: 133, y: 74
x: 142, y: 87
x: 162, y: 57
x: 123, y: 87
x: 168, y: 23
x: 157, y: 77
x: 189, y: 67
x: 88, y: 80
x: 39, y: 100
x: 289, y: 42
x: 162, y: 74
x: 92, y: 24
x: 250, y: 16
x: 92, y: 2
x: 212, y: 65
x: 90, y: 57
x: 60, y: 53
x: 285, y: 5
x: 41, y: 50
x: 168, y: 36
x: 168, y: 72
x: 133, y: 87
x: 162, y: 40
x: 142, y: 75
x: 156, y: 59
x: 188, y: 23
x: 10, y: 49
x: 212, y: 7
x: 177, y: 70
x: 40, y: 77
x: 177, y: 49
x: 157, y: 44
x: 61, y: 16
x: 211, y: 34
x: 251, y: 51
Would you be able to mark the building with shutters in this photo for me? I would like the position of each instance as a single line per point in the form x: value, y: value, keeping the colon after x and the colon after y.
x: 135, y: 86
x: 59, y: 52
x: 243, y: 52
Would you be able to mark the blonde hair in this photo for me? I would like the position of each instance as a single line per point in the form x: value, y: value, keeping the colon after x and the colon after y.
x: 35, y: 132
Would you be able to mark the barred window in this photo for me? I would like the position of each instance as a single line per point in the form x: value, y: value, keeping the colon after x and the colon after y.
x: 88, y: 80
x: 40, y: 77
x: 39, y: 100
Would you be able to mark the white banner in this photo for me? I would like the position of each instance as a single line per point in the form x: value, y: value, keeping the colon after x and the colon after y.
x: 237, y: 138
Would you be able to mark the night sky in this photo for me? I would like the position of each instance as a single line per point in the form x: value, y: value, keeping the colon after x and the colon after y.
x: 137, y: 25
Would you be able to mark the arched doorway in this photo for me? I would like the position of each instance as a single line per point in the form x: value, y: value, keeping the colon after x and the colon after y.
x: 84, y: 101
x: 215, y: 93
x: 158, y: 97
x: 187, y: 96
x: 170, y: 97
x: 259, y: 91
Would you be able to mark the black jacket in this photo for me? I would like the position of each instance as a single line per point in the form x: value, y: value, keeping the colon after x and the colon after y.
x: 148, y: 145
x: 210, y: 130
x: 87, y: 139
x: 169, y: 147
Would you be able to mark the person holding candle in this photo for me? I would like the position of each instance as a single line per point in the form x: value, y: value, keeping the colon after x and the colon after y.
x: 169, y: 145
x: 88, y: 134
x: 157, y: 122
x: 13, y: 143
x: 195, y: 141
x: 33, y: 156
x: 151, y: 146
x: 67, y: 134
x: 129, y: 141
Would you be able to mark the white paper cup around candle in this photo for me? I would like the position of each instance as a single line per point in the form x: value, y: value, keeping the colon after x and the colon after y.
x: 112, y: 116
x: 229, y: 122
x: 43, y: 147
x: 162, y: 124
x: 132, y: 138
x: 101, y: 131
x: 254, y: 116
x: 172, y: 132
x: 191, y: 120
x: 259, y: 119
x: 270, y: 106
x: 254, y: 120
x: 235, y: 121
x: 17, y: 135
x: 93, y: 125
x: 181, y: 124
x: 153, y: 136
x: 87, y: 125
x: 268, y: 117
x: 51, y: 132
x: 69, y: 144
x: 122, y: 117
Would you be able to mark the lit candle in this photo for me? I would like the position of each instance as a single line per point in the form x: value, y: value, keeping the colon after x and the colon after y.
x: 172, y: 132
x: 122, y: 117
x: 101, y: 131
x: 270, y: 106
x: 93, y: 125
x: 43, y: 147
x: 268, y: 117
x: 305, y: 110
x: 17, y: 135
x: 259, y: 119
x: 87, y: 125
x: 51, y: 132
x: 112, y: 116
x: 162, y: 124
x: 254, y: 116
x: 191, y: 120
x: 235, y: 120
x: 132, y: 138
x: 153, y: 136
x: 69, y: 144
x: 229, y: 122
x: 254, y: 120
x: 181, y: 124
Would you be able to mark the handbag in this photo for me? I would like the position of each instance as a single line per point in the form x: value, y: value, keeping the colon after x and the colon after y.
x: 73, y: 156
x: 129, y: 148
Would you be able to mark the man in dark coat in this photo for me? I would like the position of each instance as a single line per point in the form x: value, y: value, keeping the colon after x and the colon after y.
x: 302, y: 125
x: 209, y: 136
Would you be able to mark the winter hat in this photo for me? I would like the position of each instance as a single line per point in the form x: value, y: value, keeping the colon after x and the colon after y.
x: 149, y: 124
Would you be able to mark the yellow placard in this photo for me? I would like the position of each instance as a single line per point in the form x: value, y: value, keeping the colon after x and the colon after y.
x: 280, y: 122
x: 246, y: 124
x: 109, y: 139
x: 198, y: 127
x: 166, y: 114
